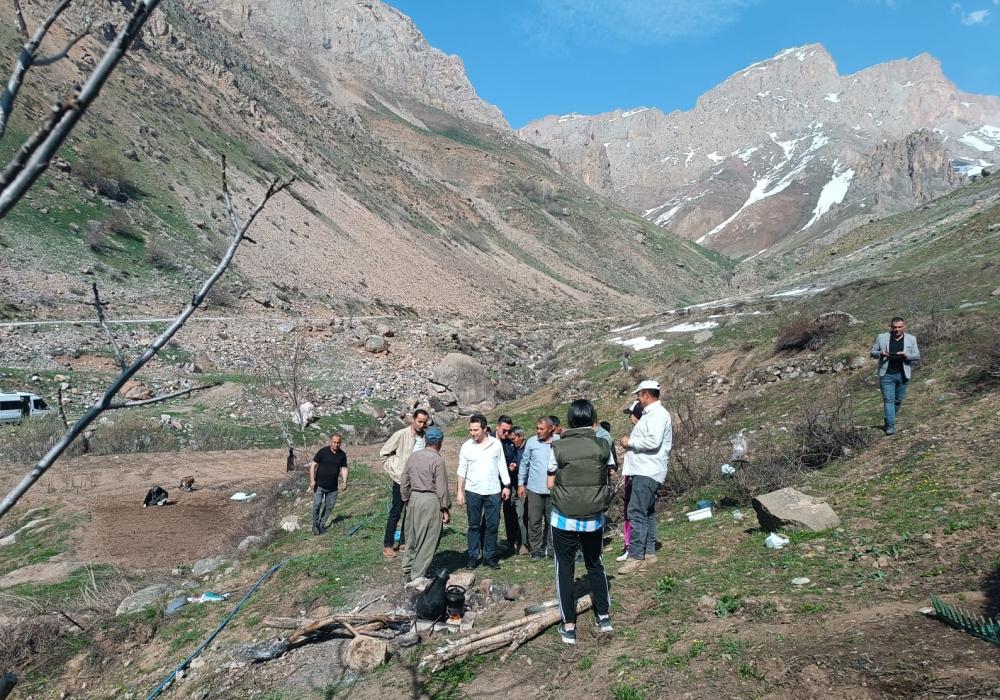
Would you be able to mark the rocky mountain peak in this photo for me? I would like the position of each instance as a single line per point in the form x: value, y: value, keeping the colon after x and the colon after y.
x: 770, y: 152
x: 344, y: 45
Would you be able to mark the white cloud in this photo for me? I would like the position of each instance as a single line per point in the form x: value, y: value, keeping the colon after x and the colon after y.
x: 635, y: 22
x: 971, y: 19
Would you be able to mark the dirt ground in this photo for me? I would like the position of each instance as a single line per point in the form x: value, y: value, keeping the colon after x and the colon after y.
x: 110, y: 490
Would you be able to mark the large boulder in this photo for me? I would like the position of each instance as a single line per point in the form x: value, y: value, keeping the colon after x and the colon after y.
x: 207, y: 566
x: 140, y: 600
x: 789, y: 509
x: 376, y: 344
x: 467, y: 379
x: 365, y: 654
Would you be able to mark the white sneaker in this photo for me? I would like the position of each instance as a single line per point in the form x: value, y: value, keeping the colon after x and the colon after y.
x: 623, y: 557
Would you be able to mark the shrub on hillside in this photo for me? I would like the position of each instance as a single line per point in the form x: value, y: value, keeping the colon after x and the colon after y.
x: 212, y: 435
x: 100, y: 169
x: 221, y: 296
x: 938, y: 330
x: 27, y: 441
x: 810, y: 335
x: 827, y: 432
x: 128, y: 434
x: 984, y: 356
x: 96, y: 236
x: 696, y: 452
x: 159, y: 256
x: 822, y: 433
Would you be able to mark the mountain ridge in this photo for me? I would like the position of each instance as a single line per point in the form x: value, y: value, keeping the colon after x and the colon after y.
x: 704, y: 166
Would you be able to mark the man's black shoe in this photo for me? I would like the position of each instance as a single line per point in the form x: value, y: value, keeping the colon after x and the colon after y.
x: 495, y: 565
x: 536, y: 556
x: 473, y: 565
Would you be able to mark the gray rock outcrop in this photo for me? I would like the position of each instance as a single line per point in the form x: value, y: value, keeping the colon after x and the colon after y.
x: 467, y: 380
x: 789, y: 509
x: 140, y: 600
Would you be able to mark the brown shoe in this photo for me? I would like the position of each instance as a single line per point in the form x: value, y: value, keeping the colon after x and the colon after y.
x: 389, y: 552
x: 400, y: 547
x: 650, y: 559
x: 522, y: 550
x: 632, y: 566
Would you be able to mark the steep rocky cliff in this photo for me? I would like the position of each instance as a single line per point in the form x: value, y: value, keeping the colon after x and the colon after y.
x: 772, y: 151
x: 412, y: 195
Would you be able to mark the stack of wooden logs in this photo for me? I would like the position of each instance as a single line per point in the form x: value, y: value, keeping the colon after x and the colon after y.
x: 509, y: 634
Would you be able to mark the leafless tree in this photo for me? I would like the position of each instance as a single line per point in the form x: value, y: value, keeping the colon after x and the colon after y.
x: 32, y: 158
x: 283, y: 392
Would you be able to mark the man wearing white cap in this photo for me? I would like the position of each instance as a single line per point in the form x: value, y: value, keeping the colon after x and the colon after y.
x: 648, y: 449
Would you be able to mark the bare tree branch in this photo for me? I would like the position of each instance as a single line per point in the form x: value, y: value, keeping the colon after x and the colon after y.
x: 107, y: 399
x: 26, y: 59
x: 158, y: 399
x: 62, y: 416
x: 19, y: 16
x: 99, y: 308
x: 34, y: 156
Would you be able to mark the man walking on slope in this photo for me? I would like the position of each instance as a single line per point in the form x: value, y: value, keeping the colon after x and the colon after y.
x: 532, y: 485
x: 327, y: 469
x: 394, y: 453
x: 896, y: 351
x: 649, y: 448
x: 424, y: 487
x: 481, y: 472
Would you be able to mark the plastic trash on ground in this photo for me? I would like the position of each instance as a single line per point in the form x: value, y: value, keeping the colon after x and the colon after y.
x: 242, y: 496
x: 209, y: 597
x: 776, y: 541
x: 738, y: 515
x: 728, y: 470
x: 740, y: 447
x: 700, y: 514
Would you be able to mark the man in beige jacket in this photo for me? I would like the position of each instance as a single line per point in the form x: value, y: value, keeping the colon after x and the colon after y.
x: 394, y: 453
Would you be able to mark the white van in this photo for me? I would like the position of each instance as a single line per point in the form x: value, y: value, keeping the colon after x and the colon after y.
x: 17, y: 406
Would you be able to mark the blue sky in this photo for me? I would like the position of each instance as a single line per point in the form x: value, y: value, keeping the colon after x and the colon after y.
x: 538, y: 57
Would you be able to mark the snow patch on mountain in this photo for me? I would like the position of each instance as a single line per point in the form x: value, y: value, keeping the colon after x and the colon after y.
x: 970, y: 139
x: 833, y: 97
x: 833, y: 192
x: 633, y: 112
x: 763, y: 188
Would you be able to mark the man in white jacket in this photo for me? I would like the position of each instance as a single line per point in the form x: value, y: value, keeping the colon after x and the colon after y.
x: 483, y: 481
x: 648, y: 450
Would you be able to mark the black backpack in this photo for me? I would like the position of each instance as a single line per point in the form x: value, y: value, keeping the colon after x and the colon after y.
x: 433, y: 602
x: 156, y: 496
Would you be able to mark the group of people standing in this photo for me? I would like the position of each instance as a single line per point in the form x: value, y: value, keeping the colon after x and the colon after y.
x: 553, y: 490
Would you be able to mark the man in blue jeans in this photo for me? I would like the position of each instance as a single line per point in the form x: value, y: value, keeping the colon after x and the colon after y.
x: 483, y: 481
x: 896, y: 352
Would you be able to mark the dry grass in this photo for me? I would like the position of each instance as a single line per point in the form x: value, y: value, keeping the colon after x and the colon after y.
x: 26, y: 442
x: 128, y: 434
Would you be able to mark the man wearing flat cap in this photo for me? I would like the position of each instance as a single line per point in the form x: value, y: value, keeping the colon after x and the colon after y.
x: 648, y: 447
x: 424, y: 488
